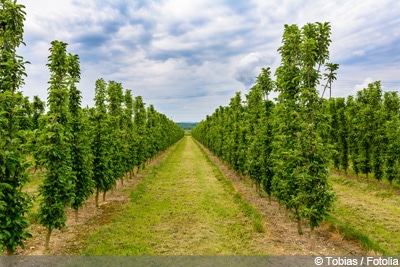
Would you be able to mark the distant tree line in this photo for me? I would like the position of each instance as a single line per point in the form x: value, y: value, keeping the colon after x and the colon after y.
x: 188, y: 126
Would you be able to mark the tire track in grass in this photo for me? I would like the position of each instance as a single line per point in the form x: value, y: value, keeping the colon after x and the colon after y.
x: 181, y: 208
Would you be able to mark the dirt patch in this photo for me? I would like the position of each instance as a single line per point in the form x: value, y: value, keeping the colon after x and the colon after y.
x: 281, y: 232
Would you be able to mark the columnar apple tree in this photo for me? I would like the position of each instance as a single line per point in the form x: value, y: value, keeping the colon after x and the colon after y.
x: 14, y: 203
x: 301, y: 166
x: 81, y: 153
x: 54, y: 150
x: 101, y: 142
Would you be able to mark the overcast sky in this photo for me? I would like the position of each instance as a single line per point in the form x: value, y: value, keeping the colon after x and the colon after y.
x: 187, y: 58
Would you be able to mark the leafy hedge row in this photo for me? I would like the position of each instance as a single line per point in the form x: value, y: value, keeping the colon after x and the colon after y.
x: 279, y: 144
x: 288, y: 145
x: 80, y: 150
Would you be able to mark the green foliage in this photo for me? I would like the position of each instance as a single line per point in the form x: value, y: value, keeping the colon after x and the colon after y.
x: 54, y: 144
x: 369, y: 155
x: 81, y: 153
x: 101, y: 140
x: 125, y: 135
x: 140, y: 130
x: 258, y: 123
x: 234, y: 136
x: 301, y: 171
x: 115, y: 99
x: 265, y: 82
x: 295, y: 140
x: 241, y: 134
x: 330, y: 77
x: 355, y: 132
x: 373, y: 137
x: 72, y: 145
x: 187, y: 125
x: 128, y: 139
x: 14, y: 119
x: 338, y: 132
x: 12, y: 16
x: 24, y: 113
x: 280, y: 145
x: 14, y: 204
x: 391, y: 142
x: 38, y: 108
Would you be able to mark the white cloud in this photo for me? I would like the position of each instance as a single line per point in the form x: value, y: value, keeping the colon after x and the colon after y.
x: 362, y: 85
x: 359, y: 53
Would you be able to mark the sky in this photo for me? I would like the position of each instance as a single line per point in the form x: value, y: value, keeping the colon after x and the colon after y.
x: 188, y: 57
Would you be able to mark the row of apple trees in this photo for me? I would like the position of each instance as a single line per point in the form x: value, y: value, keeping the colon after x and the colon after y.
x: 86, y: 150
x: 279, y: 144
x: 288, y: 145
x: 80, y: 151
x: 364, y: 133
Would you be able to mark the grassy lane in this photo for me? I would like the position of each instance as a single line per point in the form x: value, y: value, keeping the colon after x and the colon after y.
x: 369, y: 213
x: 184, y: 207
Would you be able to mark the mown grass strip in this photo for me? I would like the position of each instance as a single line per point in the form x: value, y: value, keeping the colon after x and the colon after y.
x: 350, y: 233
x: 183, y: 207
x: 114, y: 238
x: 249, y: 210
x: 366, y: 213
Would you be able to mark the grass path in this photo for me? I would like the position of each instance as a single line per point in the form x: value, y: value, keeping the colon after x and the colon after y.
x: 371, y: 212
x: 188, y: 202
x: 184, y: 207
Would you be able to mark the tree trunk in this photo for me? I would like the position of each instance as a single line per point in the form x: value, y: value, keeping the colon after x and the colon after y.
x: 48, y: 238
x: 104, y: 196
x: 299, y: 226
x: 122, y: 181
x: 97, y: 197
x: 76, y: 215
x: 312, y: 237
x: 10, y: 251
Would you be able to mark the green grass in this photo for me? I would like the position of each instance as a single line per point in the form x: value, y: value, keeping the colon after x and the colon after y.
x: 349, y: 232
x: 367, y: 213
x: 249, y: 210
x: 183, y: 207
x: 32, y: 187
